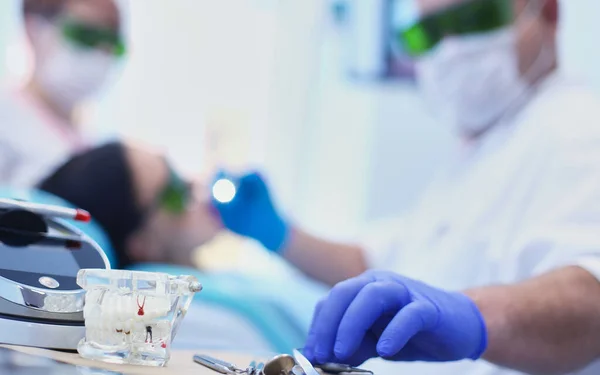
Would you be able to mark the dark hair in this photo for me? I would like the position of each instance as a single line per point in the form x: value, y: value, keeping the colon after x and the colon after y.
x: 44, y: 8
x: 100, y: 181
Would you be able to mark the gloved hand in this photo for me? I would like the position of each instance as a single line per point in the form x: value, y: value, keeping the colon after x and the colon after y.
x: 382, y: 314
x: 251, y: 213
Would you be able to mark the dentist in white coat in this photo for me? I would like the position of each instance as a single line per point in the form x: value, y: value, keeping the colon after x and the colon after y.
x: 496, y: 270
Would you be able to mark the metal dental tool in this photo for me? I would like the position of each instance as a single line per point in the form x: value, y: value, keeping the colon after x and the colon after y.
x: 251, y: 369
x: 337, y: 368
x: 303, y: 362
x: 280, y: 365
x: 217, y: 365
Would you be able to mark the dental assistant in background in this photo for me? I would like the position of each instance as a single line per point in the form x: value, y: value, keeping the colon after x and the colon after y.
x: 74, y: 46
x: 496, y: 270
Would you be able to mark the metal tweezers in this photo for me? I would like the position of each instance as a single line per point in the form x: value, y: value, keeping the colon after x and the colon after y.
x: 340, y: 369
x: 215, y: 364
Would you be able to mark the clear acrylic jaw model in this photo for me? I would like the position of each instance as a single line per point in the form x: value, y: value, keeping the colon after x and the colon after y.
x: 131, y: 317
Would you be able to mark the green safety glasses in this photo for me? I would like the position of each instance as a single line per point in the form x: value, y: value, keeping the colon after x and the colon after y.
x: 175, y: 195
x: 88, y: 36
x: 469, y: 17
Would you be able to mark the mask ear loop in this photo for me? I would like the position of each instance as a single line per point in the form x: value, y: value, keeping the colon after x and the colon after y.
x: 544, y: 54
x: 509, y: 106
x: 534, y: 8
x: 544, y: 49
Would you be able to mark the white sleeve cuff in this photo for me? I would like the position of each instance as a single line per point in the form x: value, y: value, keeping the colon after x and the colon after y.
x: 591, y: 264
x: 588, y: 261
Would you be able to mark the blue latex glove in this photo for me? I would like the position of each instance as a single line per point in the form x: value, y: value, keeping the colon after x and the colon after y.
x: 251, y: 213
x: 382, y: 314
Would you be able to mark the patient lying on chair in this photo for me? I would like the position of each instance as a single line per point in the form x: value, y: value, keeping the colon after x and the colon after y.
x: 148, y: 211
x: 152, y: 215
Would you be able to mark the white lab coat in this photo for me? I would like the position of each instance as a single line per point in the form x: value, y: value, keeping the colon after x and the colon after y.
x: 32, y: 142
x: 523, y: 201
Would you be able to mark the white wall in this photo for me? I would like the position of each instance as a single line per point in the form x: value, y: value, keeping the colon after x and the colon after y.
x: 199, y: 75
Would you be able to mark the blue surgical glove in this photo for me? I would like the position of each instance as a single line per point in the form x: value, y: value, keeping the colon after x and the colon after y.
x: 251, y: 212
x: 383, y: 314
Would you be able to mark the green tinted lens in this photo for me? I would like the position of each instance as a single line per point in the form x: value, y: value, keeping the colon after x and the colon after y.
x: 476, y: 16
x: 418, y: 39
x: 176, y: 195
x: 93, y: 37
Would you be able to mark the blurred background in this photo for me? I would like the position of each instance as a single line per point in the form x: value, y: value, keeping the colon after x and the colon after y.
x: 306, y: 91
x: 298, y: 89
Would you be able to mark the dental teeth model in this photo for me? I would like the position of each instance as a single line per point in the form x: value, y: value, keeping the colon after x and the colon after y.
x: 132, y: 317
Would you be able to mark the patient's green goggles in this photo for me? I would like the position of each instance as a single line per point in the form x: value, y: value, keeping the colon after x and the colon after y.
x: 88, y: 36
x: 175, y: 195
x: 469, y: 17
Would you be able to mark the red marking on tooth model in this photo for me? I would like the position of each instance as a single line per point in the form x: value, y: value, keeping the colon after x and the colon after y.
x: 163, y: 345
x: 141, y: 307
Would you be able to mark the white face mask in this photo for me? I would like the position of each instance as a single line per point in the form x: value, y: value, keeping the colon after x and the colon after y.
x: 472, y: 81
x: 66, y: 72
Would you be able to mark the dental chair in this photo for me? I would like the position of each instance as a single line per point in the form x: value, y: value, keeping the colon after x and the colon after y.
x: 233, y: 311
